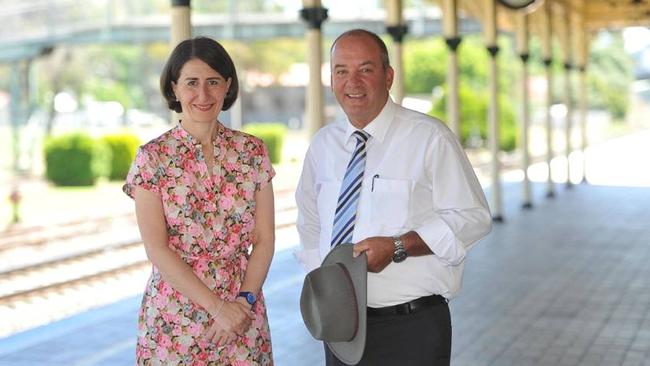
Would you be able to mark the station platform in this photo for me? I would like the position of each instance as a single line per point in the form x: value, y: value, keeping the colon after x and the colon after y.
x: 564, y: 283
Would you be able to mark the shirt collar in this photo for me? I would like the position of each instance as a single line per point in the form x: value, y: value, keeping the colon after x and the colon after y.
x: 182, y: 135
x: 378, y: 127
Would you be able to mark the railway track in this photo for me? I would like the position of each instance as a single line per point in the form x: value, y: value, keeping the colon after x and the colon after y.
x: 42, y: 235
x: 88, y: 266
x: 49, y: 273
x: 72, y: 270
x: 52, y: 271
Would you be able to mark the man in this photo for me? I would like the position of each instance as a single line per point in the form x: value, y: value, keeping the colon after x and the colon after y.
x: 403, y: 190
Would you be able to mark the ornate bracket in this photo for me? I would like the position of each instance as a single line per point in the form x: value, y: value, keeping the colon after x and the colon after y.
x: 524, y: 57
x: 180, y: 2
x: 493, y: 50
x: 397, y: 32
x: 453, y: 43
x: 314, y: 17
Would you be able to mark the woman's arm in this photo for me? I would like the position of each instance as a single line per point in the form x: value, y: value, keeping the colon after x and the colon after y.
x: 263, y: 243
x: 151, y: 222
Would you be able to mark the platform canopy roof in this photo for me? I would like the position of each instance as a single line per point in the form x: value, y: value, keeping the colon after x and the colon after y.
x: 594, y: 15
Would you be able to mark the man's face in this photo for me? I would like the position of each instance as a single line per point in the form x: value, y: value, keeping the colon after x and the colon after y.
x: 359, y: 81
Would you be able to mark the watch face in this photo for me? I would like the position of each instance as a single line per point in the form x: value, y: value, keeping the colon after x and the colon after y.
x: 399, y: 256
x: 250, y: 298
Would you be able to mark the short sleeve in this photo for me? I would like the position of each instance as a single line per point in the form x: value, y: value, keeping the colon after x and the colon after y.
x: 144, y: 172
x: 265, y: 171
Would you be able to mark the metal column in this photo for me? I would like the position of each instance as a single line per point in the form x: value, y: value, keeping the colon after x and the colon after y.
x: 397, y: 29
x: 490, y: 32
x: 522, y: 48
x: 181, y: 22
x: 450, y: 29
x: 547, y: 55
x: 314, y: 15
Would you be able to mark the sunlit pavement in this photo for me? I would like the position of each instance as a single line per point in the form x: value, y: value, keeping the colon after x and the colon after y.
x: 565, y: 283
x: 621, y: 161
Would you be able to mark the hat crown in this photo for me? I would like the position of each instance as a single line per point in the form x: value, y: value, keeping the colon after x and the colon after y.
x: 333, y: 303
x: 329, y: 305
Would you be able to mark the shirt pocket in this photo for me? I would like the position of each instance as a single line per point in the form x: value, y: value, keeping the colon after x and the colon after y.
x: 390, y: 202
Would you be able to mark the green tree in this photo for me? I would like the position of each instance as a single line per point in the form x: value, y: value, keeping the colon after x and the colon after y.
x: 66, y: 71
x: 274, y: 58
x: 610, y: 75
x: 473, y: 116
x: 425, y: 65
x: 117, y: 75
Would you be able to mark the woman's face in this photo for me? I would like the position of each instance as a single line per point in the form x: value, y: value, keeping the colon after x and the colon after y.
x: 200, y: 90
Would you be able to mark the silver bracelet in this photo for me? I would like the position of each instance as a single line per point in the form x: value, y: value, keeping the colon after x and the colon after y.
x: 223, y: 302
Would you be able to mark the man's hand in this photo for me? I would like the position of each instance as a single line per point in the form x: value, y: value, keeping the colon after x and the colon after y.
x: 379, y: 249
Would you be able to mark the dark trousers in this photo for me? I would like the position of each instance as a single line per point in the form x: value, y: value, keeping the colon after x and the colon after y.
x: 418, y: 339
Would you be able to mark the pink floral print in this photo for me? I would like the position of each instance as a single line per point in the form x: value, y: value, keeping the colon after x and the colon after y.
x: 210, y: 218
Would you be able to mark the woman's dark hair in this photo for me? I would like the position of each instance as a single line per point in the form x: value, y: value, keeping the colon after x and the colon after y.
x: 207, y: 50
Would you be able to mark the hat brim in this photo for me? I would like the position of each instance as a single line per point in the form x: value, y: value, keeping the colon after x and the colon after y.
x: 351, y: 352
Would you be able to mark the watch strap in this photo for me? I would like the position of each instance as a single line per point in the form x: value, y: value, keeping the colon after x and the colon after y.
x: 400, y: 254
x: 399, y: 245
x: 248, y: 296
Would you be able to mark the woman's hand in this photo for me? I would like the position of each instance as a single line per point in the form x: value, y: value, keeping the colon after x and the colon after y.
x: 231, y: 321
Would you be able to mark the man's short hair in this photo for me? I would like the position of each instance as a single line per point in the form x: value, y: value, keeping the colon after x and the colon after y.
x: 362, y: 32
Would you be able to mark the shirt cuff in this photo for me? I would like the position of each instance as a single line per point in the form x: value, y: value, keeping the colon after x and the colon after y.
x: 442, y: 241
x: 309, y: 259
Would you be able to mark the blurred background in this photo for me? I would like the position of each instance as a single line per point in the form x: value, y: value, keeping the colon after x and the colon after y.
x: 79, y: 93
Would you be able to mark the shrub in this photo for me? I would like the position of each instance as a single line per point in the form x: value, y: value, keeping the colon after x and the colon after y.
x: 75, y: 159
x: 123, y: 148
x: 273, y: 136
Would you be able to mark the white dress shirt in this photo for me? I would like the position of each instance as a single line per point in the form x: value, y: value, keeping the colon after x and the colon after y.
x: 417, y: 178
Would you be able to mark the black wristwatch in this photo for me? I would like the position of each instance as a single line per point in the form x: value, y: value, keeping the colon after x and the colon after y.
x: 399, y: 255
x: 249, y: 296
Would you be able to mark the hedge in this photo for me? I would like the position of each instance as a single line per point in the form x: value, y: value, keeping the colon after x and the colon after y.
x: 76, y: 159
x: 272, y: 134
x: 123, y: 148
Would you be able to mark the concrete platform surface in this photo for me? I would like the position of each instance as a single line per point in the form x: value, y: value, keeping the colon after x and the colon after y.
x: 565, y: 283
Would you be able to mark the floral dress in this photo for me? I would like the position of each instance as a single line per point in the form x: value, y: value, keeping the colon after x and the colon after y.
x: 210, y: 219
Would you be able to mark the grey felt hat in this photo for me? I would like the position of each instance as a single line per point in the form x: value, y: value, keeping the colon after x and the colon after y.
x: 333, y: 303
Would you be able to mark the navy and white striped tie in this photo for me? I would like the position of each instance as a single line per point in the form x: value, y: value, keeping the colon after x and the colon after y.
x: 346, y: 208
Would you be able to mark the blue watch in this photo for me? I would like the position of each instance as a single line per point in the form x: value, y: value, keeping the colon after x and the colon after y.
x: 249, y: 296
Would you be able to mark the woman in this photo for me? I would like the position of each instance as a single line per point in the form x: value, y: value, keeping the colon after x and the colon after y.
x: 203, y: 198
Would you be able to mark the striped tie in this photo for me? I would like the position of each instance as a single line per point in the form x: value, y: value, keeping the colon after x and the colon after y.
x: 346, y: 209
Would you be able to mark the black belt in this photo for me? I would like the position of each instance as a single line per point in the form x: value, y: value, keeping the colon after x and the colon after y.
x: 410, y: 307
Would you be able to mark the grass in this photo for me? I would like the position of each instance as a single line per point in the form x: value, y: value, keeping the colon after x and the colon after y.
x: 43, y: 204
